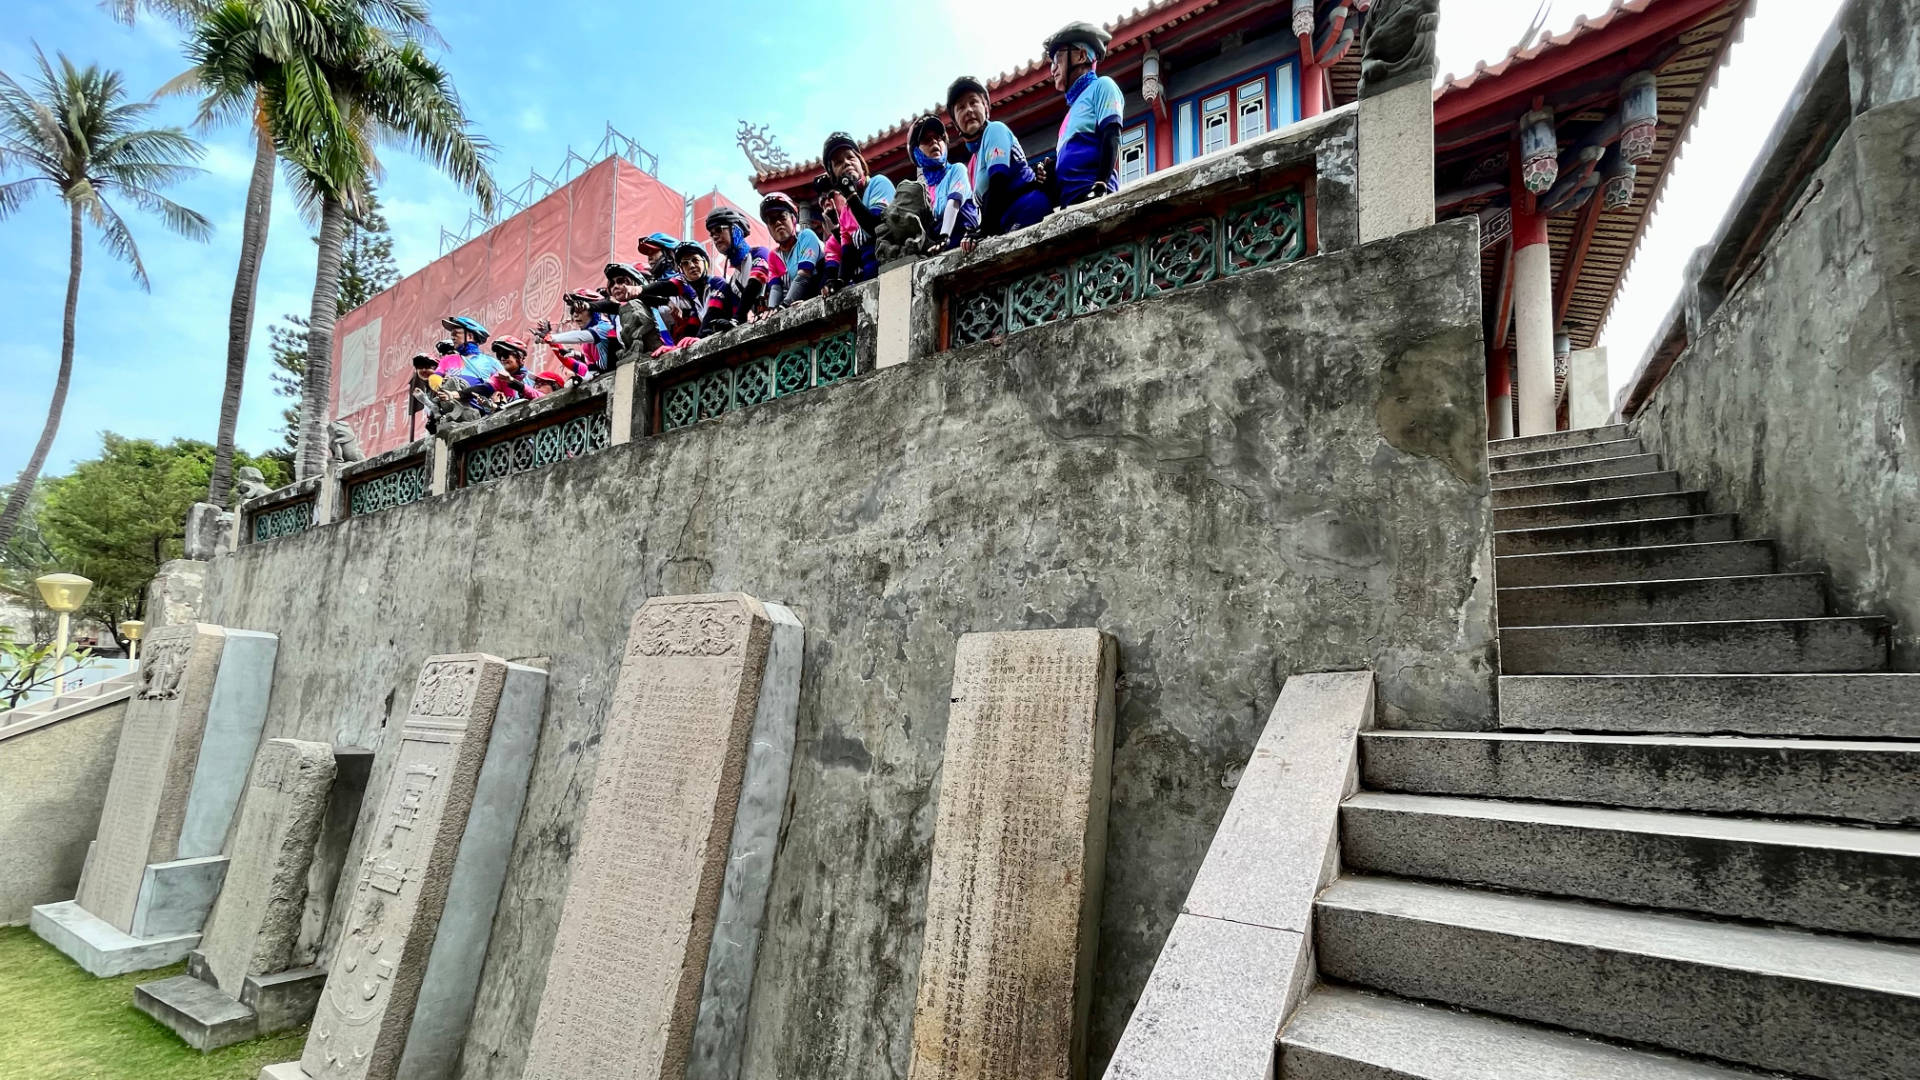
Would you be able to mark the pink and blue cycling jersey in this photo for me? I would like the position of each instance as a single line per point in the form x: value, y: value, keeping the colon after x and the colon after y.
x: 1093, y: 102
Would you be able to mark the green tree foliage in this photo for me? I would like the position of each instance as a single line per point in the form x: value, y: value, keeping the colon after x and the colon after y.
x: 117, y: 517
x: 289, y: 353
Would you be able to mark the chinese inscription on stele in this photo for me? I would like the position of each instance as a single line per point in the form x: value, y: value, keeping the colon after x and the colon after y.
x: 623, y: 984
x: 360, y: 1027
x: 152, y: 769
x: 1013, y: 900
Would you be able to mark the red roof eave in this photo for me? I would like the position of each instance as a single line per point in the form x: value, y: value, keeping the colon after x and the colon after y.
x: 1590, y: 42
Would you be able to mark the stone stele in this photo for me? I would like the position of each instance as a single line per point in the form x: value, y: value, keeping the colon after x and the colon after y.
x: 257, y: 919
x: 623, y: 985
x: 438, y: 845
x: 1013, y: 902
x: 153, y: 768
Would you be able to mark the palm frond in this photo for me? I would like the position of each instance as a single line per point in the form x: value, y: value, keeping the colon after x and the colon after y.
x: 187, y: 223
x: 119, y: 242
x: 13, y: 196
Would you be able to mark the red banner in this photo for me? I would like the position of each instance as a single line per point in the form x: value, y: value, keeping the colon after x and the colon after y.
x: 509, y: 278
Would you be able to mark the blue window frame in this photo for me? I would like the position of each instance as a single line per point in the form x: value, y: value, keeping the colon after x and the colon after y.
x: 1236, y: 109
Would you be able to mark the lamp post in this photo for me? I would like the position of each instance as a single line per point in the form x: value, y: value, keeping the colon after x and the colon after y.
x: 133, y: 630
x: 63, y: 593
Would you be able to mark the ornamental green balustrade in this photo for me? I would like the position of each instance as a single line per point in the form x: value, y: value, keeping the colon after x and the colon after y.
x: 561, y: 440
x: 1268, y: 231
x: 404, y: 485
x: 274, y: 522
x: 775, y: 375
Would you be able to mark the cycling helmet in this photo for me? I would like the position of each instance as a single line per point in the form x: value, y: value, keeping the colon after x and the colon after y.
x: 835, y: 142
x: 778, y: 203
x: 726, y: 217
x: 660, y: 240
x: 688, y: 247
x: 1084, y: 34
x: 510, y: 345
x: 443, y: 346
x: 964, y: 85
x: 582, y: 297
x: 920, y: 127
x: 471, y: 326
x: 616, y: 271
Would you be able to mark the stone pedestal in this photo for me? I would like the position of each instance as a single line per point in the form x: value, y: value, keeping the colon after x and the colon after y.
x: 677, y: 841
x: 400, y: 987
x: 185, y: 747
x: 177, y: 593
x: 1395, y: 161
x: 256, y: 921
x: 1013, y: 901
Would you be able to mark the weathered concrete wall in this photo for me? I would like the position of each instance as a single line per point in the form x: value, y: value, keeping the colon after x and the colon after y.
x: 1277, y: 472
x: 53, y: 782
x: 1798, y: 403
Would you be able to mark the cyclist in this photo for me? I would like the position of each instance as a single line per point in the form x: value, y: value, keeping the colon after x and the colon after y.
x: 800, y: 251
x: 1087, y: 160
x: 1008, y: 193
x: 949, y: 190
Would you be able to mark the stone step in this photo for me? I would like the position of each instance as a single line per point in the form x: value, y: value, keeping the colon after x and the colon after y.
x: 1754, y: 646
x: 1583, y: 470
x: 1727, y: 558
x: 1876, y: 782
x: 1344, y: 1034
x: 1606, y: 487
x: 1565, y: 455
x: 1657, y: 532
x: 1753, y: 596
x: 1817, y: 1005
x: 1845, y: 878
x: 1553, y: 440
x: 1669, y: 504
x: 1868, y: 706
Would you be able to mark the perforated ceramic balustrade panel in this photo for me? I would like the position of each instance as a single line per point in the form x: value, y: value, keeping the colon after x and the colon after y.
x: 399, y: 487
x: 776, y: 375
x: 539, y: 445
x: 1266, y: 231
x: 286, y: 519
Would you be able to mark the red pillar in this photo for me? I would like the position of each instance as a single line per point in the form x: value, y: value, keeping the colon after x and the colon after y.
x: 1312, y: 85
x: 1163, y: 138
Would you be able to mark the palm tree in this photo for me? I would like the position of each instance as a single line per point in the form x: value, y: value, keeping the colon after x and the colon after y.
x: 254, y: 60
x: 73, y: 130
x: 389, y: 90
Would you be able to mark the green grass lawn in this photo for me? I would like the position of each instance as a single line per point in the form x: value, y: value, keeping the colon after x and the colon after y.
x: 59, y: 1023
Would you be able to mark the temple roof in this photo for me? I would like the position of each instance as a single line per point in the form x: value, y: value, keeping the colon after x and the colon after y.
x: 1578, y: 74
x: 1164, y: 24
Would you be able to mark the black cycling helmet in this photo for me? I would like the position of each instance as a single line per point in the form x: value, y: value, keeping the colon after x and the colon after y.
x: 834, y: 142
x: 616, y: 271
x: 443, y: 346
x: 964, y: 85
x: 921, y: 125
x: 726, y: 217
x: 1084, y: 34
x: 688, y: 247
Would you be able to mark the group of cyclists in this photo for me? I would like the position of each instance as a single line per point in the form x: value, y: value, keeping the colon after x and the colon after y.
x: 979, y: 183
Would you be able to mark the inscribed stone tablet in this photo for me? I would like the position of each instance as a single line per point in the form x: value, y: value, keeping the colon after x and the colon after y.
x: 152, y: 769
x: 623, y: 984
x: 360, y: 1026
x: 257, y: 918
x: 1018, y: 847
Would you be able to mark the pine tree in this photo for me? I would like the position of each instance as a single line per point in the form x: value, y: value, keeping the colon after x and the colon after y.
x: 366, y: 268
x: 366, y: 261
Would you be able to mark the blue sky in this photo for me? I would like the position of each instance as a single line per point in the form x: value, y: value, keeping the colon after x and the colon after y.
x: 152, y: 364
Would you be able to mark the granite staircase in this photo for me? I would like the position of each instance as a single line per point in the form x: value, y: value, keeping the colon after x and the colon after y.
x: 1690, y: 850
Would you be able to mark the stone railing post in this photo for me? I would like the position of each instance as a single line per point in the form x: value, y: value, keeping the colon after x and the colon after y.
x: 439, y: 467
x: 1395, y: 141
x: 626, y: 383
x: 326, y: 501
x: 894, y: 319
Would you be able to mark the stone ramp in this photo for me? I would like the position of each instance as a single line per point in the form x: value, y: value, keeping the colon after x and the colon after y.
x: 1689, y: 851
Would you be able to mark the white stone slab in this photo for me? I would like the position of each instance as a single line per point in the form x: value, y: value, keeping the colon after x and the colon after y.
x: 152, y: 769
x: 430, y: 869
x: 720, y: 1032
x: 1013, y: 901
x: 176, y: 896
x: 99, y: 947
x: 624, y: 983
x: 235, y: 716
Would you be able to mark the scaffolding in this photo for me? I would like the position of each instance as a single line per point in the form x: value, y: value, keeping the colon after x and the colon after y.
x: 536, y: 186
